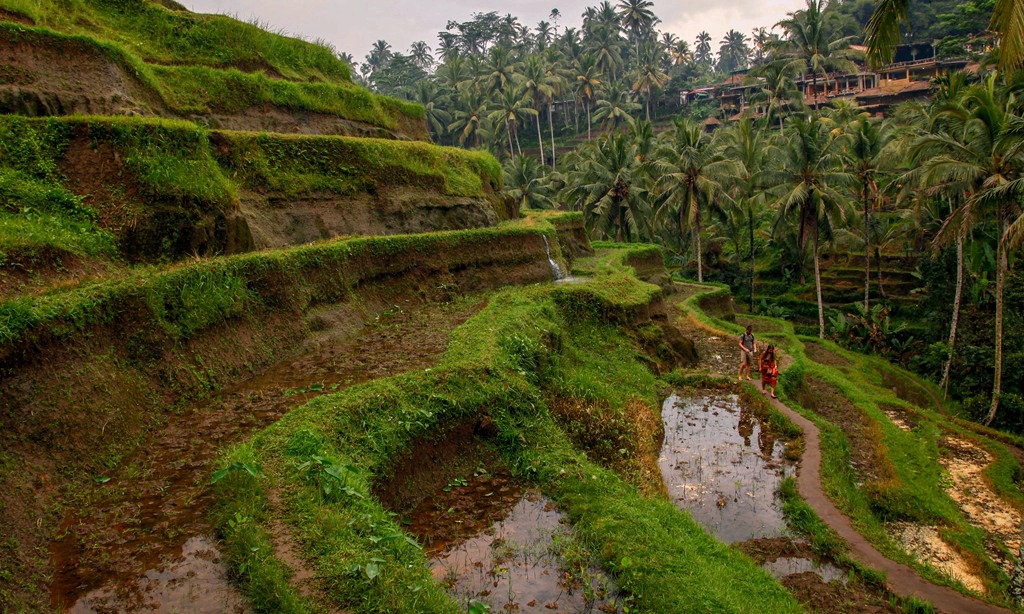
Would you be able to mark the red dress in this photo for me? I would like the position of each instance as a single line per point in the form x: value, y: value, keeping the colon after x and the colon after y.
x: 769, y: 372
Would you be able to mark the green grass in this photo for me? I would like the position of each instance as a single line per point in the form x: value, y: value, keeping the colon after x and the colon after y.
x: 187, y: 85
x: 161, y: 35
x: 343, y: 165
x: 526, y: 345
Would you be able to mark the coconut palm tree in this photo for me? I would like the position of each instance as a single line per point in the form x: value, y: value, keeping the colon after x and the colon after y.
x: 637, y: 18
x: 733, y: 52
x: 433, y: 103
x: 702, y: 51
x: 776, y: 89
x: 867, y: 141
x: 748, y: 147
x: 538, y: 85
x: 605, y: 181
x: 809, y: 186
x: 527, y: 182
x: 649, y: 77
x: 615, y: 109
x: 984, y: 150
x: 587, y: 84
x: 470, y: 125
x: 421, y: 56
x: 510, y: 107
x: 812, y: 46
x: 693, y: 175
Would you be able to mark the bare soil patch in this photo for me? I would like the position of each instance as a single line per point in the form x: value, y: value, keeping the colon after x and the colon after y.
x: 901, y: 417
x: 811, y: 589
x: 968, y: 486
x: 866, y: 454
x: 906, y: 390
x: 823, y: 356
x: 139, y: 519
x: 925, y: 543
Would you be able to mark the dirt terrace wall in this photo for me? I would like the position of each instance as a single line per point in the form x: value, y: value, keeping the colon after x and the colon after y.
x: 94, y: 371
x: 572, y: 236
x: 45, y: 74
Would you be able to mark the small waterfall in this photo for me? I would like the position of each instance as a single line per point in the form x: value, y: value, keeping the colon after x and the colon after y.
x: 555, y: 269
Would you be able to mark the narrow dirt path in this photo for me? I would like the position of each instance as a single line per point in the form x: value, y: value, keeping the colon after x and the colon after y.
x: 142, y: 539
x: 901, y: 579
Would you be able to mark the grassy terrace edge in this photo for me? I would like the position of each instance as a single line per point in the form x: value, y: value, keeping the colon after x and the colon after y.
x: 187, y: 90
x: 526, y: 349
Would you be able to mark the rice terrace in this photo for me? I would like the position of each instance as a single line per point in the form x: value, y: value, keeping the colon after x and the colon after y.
x: 571, y: 310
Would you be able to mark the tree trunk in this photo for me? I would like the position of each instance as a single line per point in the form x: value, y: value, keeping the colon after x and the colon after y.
x: 750, y: 207
x: 878, y: 266
x: 1001, y: 266
x: 956, y: 312
x: 551, y: 133
x: 700, y: 258
x: 648, y: 106
x: 511, y: 151
x: 588, y: 121
x: 515, y: 130
x: 817, y: 285
x: 800, y: 245
x: 867, y: 250
x: 540, y: 140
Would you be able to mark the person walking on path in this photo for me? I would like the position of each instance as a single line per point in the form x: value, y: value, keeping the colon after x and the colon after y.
x: 748, y: 347
x: 769, y: 367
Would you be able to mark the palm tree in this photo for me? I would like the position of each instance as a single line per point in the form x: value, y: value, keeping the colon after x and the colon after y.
x: 509, y: 107
x: 539, y: 87
x: 526, y: 182
x: 648, y: 78
x: 693, y: 172
x: 747, y: 146
x: 777, y: 87
x: 586, y: 85
x: 733, y: 52
x: 809, y: 187
x: 867, y: 140
x: 420, y: 54
x: 606, y: 46
x: 637, y: 18
x: 812, y: 47
x: 986, y: 153
x: 432, y: 101
x: 702, y: 50
x: 498, y: 71
x: 615, y: 109
x: 471, y: 124
x: 606, y: 182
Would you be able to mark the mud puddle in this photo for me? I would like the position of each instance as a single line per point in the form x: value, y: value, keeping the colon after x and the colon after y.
x: 490, y: 540
x: 143, y: 540
x: 724, y: 466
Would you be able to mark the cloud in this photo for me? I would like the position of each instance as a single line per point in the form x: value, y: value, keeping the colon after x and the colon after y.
x: 353, y: 26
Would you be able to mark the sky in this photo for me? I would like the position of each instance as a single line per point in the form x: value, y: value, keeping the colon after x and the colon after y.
x: 353, y: 26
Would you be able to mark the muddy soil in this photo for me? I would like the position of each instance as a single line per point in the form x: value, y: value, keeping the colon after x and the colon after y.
x: 866, y: 456
x: 490, y: 539
x: 925, y: 543
x: 724, y: 466
x: 818, y: 584
x: 903, y: 419
x: 823, y: 356
x: 905, y: 390
x: 966, y: 463
x: 141, y: 538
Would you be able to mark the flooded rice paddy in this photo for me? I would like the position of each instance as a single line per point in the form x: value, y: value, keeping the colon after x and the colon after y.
x: 492, y: 542
x: 724, y: 466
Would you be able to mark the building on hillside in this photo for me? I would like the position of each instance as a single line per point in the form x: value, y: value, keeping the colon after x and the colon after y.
x: 908, y: 77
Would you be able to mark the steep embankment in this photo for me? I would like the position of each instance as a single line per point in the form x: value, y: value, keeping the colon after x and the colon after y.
x: 86, y: 373
x: 141, y: 58
x: 77, y: 194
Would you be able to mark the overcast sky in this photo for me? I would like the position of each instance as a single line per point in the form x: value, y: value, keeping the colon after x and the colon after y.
x: 353, y: 25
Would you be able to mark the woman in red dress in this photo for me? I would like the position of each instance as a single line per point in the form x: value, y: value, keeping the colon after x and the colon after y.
x: 769, y: 371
